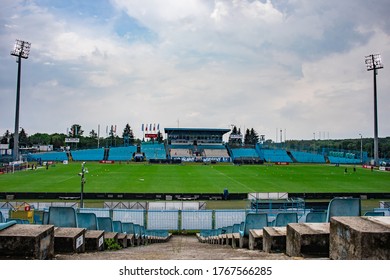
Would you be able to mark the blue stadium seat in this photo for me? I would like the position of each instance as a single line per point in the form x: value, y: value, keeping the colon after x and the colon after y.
x: 87, y: 221
x: 7, y: 224
x: 374, y: 213
x: 62, y: 216
x: 128, y: 228
x: 105, y: 223
x: 2, y: 220
x: 117, y: 226
x: 343, y: 206
x: 284, y: 218
x: 316, y: 217
x: 252, y: 221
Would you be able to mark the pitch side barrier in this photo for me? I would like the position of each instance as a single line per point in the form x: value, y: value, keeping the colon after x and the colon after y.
x: 174, y: 196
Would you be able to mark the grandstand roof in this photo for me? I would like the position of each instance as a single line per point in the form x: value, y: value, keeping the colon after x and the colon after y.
x: 197, y: 130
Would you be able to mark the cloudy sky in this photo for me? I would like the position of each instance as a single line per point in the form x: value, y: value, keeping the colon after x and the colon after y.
x: 295, y: 65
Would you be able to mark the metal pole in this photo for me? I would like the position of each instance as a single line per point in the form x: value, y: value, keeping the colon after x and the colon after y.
x: 16, y: 133
x: 361, y: 148
x: 82, y: 186
x: 376, y: 157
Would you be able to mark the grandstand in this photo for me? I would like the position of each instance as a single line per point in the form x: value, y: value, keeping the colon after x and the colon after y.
x: 275, y: 155
x: 122, y: 153
x: 49, y: 156
x: 154, y: 151
x: 88, y: 155
x: 305, y: 157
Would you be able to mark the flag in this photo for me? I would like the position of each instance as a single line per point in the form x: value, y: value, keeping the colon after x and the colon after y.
x: 150, y: 128
x: 146, y: 129
x: 158, y: 126
x: 154, y: 127
x: 142, y: 127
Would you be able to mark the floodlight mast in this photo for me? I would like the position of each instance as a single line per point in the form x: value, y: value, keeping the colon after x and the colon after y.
x: 373, y: 63
x: 21, y: 50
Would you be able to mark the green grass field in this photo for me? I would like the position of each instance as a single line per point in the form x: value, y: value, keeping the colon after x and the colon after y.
x: 195, y: 178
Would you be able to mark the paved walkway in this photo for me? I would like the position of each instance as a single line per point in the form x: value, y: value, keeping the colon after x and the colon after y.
x: 179, y: 247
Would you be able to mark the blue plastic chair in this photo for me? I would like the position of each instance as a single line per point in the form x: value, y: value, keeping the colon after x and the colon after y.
x: 343, y: 206
x: 316, y: 217
x: 284, y: 218
x: 62, y: 216
x: 252, y: 221
x: 87, y: 221
x: 105, y: 223
x: 7, y: 224
x: 128, y: 228
x: 2, y: 220
x: 374, y: 213
x: 117, y: 226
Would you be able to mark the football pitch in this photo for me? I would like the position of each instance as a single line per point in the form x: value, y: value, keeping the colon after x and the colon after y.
x: 197, y: 178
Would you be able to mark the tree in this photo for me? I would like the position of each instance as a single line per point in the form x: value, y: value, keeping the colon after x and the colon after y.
x: 128, y: 134
x: 75, y: 131
x: 57, y: 140
x: 235, y: 138
x: 6, y: 137
x: 251, y: 137
x: 23, y: 139
x: 93, y: 134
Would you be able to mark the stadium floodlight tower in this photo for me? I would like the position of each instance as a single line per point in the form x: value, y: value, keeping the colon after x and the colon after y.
x: 373, y: 63
x: 21, y: 50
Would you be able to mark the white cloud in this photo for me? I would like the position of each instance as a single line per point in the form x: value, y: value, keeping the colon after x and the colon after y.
x: 294, y: 65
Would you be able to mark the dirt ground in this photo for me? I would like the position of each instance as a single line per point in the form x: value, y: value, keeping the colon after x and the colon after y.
x: 179, y: 247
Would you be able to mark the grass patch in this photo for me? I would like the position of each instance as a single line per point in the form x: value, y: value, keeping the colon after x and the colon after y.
x: 195, y: 178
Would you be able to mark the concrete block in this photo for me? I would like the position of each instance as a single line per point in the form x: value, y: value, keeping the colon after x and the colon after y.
x: 307, y: 240
x: 274, y: 239
x: 27, y: 241
x: 255, y: 239
x: 130, y: 240
x: 122, y: 239
x: 69, y: 240
x: 235, y: 240
x: 359, y: 238
x: 94, y: 240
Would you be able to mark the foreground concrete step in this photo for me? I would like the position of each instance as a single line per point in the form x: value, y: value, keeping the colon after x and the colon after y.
x: 69, y: 240
x: 27, y: 241
x: 122, y: 239
x: 274, y: 239
x: 94, y: 240
x: 307, y: 240
x: 359, y: 238
x: 255, y: 239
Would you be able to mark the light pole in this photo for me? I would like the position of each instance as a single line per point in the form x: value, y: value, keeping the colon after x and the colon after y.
x: 361, y: 148
x: 373, y: 62
x: 21, y: 50
x: 82, y: 174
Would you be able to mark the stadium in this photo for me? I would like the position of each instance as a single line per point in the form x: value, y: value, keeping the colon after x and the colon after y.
x: 192, y: 182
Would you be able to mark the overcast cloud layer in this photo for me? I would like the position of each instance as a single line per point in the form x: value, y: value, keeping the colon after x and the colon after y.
x: 295, y: 65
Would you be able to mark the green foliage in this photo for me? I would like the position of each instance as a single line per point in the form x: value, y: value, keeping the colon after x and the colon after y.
x: 111, y: 244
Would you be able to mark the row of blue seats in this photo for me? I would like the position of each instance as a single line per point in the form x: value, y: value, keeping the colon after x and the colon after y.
x: 336, y: 207
x: 67, y: 217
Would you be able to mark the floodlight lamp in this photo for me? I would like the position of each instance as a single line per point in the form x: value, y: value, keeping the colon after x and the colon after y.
x: 373, y: 61
x: 21, y: 49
